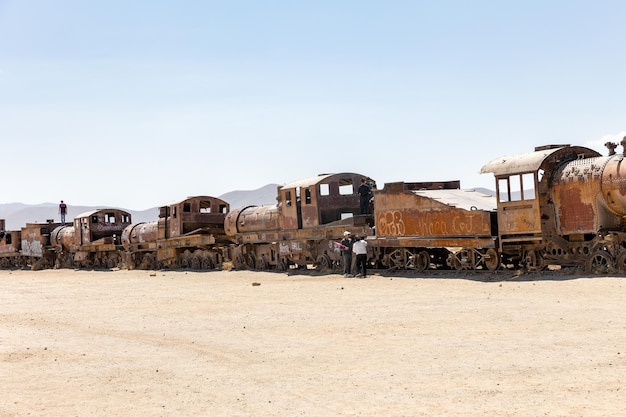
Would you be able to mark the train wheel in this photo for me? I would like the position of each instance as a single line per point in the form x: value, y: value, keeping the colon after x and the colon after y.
x: 261, y: 263
x: 250, y: 261
x: 282, y: 266
x: 621, y: 262
x: 398, y: 259
x: 112, y: 262
x: 492, y: 259
x: 534, y: 261
x: 338, y: 265
x: 600, y: 263
x: 207, y: 262
x: 150, y: 261
x: 196, y: 262
x: 324, y: 263
x: 420, y: 261
x: 453, y: 261
x: 185, y: 259
x: 238, y: 262
x: 457, y: 264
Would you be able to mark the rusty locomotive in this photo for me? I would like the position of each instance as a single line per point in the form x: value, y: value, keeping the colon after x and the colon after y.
x: 92, y: 240
x: 558, y: 205
x: 570, y: 209
x: 188, y: 234
x: 302, y: 228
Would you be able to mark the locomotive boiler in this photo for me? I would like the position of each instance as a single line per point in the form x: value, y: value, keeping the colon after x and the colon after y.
x: 562, y: 205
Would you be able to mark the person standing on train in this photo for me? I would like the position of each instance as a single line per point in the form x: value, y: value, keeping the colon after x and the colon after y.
x: 364, y: 196
x: 346, y: 253
x: 360, y: 249
x: 62, y: 211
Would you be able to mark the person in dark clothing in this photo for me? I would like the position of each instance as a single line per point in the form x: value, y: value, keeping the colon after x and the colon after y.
x: 364, y: 197
x: 62, y: 211
x: 346, y: 253
x: 370, y: 198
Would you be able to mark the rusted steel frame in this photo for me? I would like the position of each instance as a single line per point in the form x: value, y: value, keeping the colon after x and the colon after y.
x: 433, y: 242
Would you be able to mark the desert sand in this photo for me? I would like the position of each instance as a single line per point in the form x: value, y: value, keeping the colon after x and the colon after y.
x: 243, y: 343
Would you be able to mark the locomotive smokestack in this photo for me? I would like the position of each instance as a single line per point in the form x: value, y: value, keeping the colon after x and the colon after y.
x: 611, y: 147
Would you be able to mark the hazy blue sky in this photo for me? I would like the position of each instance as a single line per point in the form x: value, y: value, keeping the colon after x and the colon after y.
x: 137, y: 103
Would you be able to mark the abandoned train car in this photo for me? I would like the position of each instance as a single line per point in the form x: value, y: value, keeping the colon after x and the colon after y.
x: 424, y: 225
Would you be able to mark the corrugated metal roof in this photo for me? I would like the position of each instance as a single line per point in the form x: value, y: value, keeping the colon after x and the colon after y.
x: 92, y: 212
x: 531, y: 162
x: 200, y: 197
x: 527, y: 162
x: 465, y: 199
x: 305, y: 182
x: 320, y: 178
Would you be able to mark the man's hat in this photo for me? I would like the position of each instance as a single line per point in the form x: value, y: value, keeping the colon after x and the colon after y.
x: 346, y: 233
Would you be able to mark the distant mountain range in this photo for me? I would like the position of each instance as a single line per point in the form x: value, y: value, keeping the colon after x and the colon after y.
x: 17, y: 215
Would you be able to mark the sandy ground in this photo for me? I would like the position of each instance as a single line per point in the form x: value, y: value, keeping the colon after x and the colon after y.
x: 140, y: 343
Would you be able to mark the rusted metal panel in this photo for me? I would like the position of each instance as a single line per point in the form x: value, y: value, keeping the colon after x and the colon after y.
x: 170, y: 248
x: 432, y: 213
x: 288, y: 206
x: 10, y: 242
x: 433, y: 242
x: 167, y: 253
x: 422, y: 218
x: 36, y: 238
x: 574, y: 194
x: 520, y: 217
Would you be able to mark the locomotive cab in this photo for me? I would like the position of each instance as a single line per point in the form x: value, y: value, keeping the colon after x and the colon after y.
x: 529, y: 215
x: 199, y: 215
x: 320, y: 200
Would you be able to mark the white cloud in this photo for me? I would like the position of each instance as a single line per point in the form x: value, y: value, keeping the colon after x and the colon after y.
x: 613, y: 137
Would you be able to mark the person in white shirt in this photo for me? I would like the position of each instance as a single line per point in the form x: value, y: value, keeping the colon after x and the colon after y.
x: 360, y: 249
